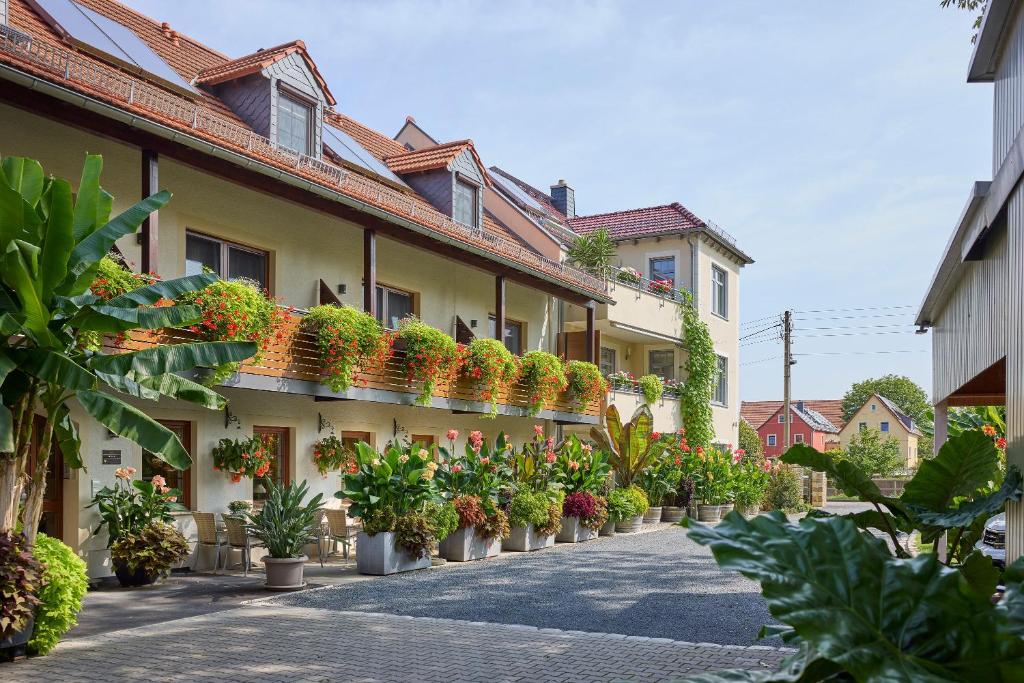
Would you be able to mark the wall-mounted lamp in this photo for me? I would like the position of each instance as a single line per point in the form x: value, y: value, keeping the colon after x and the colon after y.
x: 472, y: 323
x: 342, y: 288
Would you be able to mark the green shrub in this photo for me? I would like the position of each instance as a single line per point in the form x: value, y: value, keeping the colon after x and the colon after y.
x: 785, y: 490
x: 652, y: 388
x: 64, y: 585
x: 154, y: 550
x: 445, y: 519
x: 528, y: 508
x: 627, y: 502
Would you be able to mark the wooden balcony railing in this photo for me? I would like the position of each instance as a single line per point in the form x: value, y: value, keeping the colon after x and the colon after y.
x: 296, y: 357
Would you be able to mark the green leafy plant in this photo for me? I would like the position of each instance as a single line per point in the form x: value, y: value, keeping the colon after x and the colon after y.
x: 64, y: 584
x: 348, y: 340
x: 494, y: 525
x: 580, y: 467
x: 153, y: 550
x: 750, y: 481
x: 701, y: 375
x: 239, y: 507
x: 20, y: 582
x: 631, y: 447
x: 659, y: 480
x: 444, y: 517
x: 113, y: 278
x: 431, y: 356
x: 593, y: 252
x: 236, y: 310
x: 857, y: 613
x: 952, y: 493
x: 331, y: 455
x: 483, y: 470
x: 528, y: 508
x: 750, y: 440
x: 901, y: 390
x: 52, y: 243
x: 877, y: 455
x: 415, y: 533
x: 543, y: 375
x: 132, y: 505
x: 286, y: 521
x: 239, y: 458
x: 490, y: 366
x: 390, y: 484
x: 553, y: 523
x: 622, y: 504
x: 651, y: 387
x: 585, y: 383
x: 784, y: 490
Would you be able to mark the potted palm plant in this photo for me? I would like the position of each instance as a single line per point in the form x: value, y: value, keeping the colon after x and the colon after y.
x: 284, y: 526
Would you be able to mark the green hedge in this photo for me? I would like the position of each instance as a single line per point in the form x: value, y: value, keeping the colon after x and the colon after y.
x: 64, y: 585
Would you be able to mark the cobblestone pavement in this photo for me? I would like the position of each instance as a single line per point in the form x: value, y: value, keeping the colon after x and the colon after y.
x: 267, y: 642
x: 657, y: 584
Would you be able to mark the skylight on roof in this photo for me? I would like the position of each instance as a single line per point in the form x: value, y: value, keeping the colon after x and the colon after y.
x: 342, y: 144
x: 107, y: 39
x: 517, y: 192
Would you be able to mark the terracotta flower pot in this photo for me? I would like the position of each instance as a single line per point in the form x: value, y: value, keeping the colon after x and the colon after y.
x: 285, y: 573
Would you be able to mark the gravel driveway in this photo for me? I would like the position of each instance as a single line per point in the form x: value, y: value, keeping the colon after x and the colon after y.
x: 656, y: 584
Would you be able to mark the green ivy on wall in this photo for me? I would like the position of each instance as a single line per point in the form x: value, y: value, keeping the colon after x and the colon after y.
x: 701, y: 368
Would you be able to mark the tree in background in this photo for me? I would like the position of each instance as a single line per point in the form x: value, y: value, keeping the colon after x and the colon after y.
x: 750, y: 440
x: 971, y: 6
x: 593, y: 253
x: 871, y: 453
x: 901, y: 390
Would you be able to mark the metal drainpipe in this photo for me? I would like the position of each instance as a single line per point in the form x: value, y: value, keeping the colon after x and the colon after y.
x: 560, y: 316
x: 694, y: 273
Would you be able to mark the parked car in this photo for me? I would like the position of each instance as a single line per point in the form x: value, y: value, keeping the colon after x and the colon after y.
x: 993, y: 541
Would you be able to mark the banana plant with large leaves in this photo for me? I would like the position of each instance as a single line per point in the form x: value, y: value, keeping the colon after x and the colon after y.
x: 857, y: 613
x: 51, y: 244
x: 630, y: 447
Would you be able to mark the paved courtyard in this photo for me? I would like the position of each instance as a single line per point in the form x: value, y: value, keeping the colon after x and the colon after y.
x: 615, y: 609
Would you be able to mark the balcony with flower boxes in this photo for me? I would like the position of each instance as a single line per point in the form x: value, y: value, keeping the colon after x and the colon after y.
x: 626, y: 396
x: 644, y: 311
x: 292, y: 365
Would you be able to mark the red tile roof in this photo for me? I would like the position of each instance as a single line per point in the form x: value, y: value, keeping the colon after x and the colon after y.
x: 433, y: 157
x: 647, y: 222
x: 205, y: 117
x: 259, y: 60
x: 756, y: 413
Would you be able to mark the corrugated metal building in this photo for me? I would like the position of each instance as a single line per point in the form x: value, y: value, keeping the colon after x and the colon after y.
x: 975, y: 304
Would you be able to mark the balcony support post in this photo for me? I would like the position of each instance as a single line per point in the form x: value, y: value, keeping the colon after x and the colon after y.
x: 148, y: 236
x: 499, y: 308
x: 590, y: 351
x: 370, y: 272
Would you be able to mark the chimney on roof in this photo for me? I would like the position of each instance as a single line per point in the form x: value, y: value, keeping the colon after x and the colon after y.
x: 800, y: 406
x: 564, y: 198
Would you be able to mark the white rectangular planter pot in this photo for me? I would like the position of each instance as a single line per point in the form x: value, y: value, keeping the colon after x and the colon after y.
x: 379, y: 556
x: 464, y: 546
x: 574, y: 532
x: 525, y: 538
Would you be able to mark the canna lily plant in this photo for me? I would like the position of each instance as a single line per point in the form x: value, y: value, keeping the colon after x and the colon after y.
x: 630, y: 447
x: 52, y: 242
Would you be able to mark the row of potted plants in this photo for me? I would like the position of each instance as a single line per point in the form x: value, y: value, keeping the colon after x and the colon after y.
x: 651, y: 387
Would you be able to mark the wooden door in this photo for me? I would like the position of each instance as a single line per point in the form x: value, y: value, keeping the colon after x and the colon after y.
x: 278, y: 443
x: 176, y: 479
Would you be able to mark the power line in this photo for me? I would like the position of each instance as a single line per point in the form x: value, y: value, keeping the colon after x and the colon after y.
x: 860, y: 327
x: 849, y: 310
x: 850, y: 334
x: 748, y: 323
x: 760, y: 360
x: 762, y: 330
x: 861, y: 353
x: 855, y: 317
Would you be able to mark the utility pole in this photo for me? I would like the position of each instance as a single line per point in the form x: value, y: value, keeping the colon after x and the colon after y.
x: 787, y: 361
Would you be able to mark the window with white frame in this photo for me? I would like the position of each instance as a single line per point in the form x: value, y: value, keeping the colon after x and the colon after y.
x: 294, y: 123
x: 719, y: 291
x: 772, y: 439
x: 662, y: 268
x: 798, y: 438
x: 464, y: 204
x: 721, y: 396
x: 782, y: 419
x: 662, y: 362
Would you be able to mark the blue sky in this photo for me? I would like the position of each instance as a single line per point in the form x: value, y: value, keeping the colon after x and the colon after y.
x: 836, y: 141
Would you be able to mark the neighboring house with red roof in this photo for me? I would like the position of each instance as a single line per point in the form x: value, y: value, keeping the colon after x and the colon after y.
x: 807, y: 426
x: 273, y: 183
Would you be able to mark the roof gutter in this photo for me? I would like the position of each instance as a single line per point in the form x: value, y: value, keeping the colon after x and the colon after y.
x: 9, y: 73
x: 994, y: 26
x: 968, y: 229
x: 740, y: 255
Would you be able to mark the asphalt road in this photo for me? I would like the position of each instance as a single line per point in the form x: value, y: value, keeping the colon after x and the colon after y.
x: 656, y: 584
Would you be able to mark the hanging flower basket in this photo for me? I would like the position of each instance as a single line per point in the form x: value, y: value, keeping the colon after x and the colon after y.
x: 243, y: 457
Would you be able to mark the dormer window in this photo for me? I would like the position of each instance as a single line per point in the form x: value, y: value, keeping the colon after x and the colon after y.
x: 294, y: 123
x: 465, y: 207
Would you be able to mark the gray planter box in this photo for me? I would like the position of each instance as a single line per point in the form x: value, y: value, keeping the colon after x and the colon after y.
x: 573, y: 531
x: 465, y: 546
x: 377, y: 555
x: 629, y: 525
x: 653, y: 515
x: 608, y: 529
x: 672, y: 514
x: 525, y: 538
